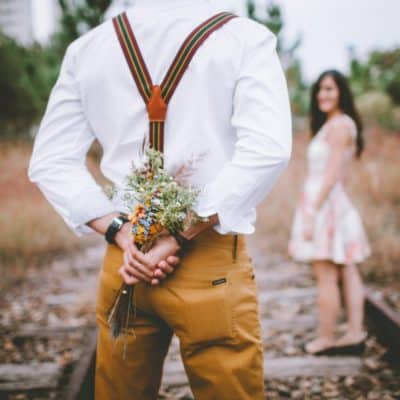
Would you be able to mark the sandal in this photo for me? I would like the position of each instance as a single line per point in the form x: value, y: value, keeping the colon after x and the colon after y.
x: 356, y: 348
x: 350, y: 349
x: 327, y: 351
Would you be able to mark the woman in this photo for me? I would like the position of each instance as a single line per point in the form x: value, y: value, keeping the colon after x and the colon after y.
x: 327, y: 229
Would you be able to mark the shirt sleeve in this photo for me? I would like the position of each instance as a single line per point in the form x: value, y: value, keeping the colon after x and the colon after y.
x: 262, y: 121
x: 58, y: 161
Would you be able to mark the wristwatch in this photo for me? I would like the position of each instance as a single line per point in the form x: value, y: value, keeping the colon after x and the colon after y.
x: 182, y: 241
x: 114, y: 227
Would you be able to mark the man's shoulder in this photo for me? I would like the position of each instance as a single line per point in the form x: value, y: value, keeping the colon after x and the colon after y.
x: 250, y: 25
x: 250, y: 31
x: 245, y: 30
x: 95, y: 35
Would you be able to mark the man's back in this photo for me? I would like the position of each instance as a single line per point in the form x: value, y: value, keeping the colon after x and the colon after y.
x: 232, y: 92
x: 230, y: 113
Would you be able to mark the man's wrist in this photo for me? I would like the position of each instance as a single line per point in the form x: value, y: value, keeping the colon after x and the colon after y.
x: 115, y: 227
x: 181, y: 240
x: 196, y: 229
x: 124, y: 231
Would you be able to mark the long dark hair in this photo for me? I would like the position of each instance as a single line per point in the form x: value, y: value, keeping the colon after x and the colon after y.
x: 346, y: 105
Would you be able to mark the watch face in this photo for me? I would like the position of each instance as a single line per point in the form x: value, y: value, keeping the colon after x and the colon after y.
x: 118, y: 222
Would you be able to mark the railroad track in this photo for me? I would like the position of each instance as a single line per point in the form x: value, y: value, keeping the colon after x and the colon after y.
x: 46, y: 326
x: 287, y: 296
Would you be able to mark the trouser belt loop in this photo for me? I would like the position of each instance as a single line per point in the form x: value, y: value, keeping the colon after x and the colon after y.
x: 235, y: 239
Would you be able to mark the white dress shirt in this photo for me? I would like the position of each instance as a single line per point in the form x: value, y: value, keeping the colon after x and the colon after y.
x: 229, y: 117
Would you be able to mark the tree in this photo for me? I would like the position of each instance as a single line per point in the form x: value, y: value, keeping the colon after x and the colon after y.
x: 376, y: 84
x: 380, y: 72
x: 77, y: 18
x: 273, y: 20
x: 23, y: 86
x: 27, y: 74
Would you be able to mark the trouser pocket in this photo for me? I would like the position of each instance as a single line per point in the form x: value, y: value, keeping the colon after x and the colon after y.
x: 217, y: 309
x: 207, y: 312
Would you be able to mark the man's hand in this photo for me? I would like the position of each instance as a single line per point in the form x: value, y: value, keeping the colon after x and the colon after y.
x: 161, y: 259
x: 123, y: 238
x: 151, y: 267
x: 194, y: 230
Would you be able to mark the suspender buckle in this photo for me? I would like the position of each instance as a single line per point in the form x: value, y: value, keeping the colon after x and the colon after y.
x: 156, y: 107
x: 157, y: 97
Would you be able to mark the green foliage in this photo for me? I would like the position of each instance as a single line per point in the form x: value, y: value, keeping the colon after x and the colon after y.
x: 78, y: 18
x: 377, y: 107
x: 273, y: 20
x: 385, y: 69
x: 27, y: 74
x: 156, y: 199
x: 380, y: 72
x: 298, y: 90
x: 376, y: 84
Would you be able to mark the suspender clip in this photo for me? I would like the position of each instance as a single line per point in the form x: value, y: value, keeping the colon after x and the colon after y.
x: 156, y: 107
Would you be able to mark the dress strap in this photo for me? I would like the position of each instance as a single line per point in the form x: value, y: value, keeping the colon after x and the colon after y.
x: 157, y: 97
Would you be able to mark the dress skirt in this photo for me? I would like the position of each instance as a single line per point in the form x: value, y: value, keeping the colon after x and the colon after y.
x: 338, y: 234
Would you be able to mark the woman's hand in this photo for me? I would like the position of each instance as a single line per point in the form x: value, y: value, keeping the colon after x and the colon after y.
x: 308, y: 228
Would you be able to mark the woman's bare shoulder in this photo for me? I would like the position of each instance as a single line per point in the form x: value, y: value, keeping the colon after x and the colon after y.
x: 340, y: 129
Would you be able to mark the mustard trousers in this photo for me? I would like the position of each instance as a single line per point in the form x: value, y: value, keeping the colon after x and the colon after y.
x: 210, y: 303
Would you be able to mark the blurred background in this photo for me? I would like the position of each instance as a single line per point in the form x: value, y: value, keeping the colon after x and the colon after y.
x: 361, y: 38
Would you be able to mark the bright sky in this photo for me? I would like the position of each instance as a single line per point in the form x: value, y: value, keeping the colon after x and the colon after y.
x: 327, y: 27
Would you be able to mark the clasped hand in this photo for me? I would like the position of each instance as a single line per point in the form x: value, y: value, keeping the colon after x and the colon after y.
x: 152, y: 266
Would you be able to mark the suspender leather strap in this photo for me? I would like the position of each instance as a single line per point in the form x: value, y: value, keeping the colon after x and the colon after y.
x: 133, y: 56
x: 157, y: 97
x: 188, y: 49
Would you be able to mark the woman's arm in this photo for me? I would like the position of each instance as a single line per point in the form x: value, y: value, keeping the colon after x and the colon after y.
x: 339, y: 138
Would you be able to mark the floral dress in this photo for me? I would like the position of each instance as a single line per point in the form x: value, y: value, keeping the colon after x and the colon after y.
x: 338, y: 232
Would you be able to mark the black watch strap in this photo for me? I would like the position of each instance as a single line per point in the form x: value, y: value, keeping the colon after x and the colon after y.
x: 114, y: 227
x: 182, y: 241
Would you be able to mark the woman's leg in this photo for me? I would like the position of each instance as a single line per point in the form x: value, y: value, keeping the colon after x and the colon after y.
x: 328, y: 301
x: 354, y: 298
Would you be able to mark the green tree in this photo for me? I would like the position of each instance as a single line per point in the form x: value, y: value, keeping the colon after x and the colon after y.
x: 27, y: 74
x: 273, y: 20
x: 23, y: 86
x: 77, y: 18
x: 376, y: 84
x: 380, y: 72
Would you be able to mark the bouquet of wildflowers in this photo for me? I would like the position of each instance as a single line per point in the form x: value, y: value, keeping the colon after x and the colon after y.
x: 157, y: 202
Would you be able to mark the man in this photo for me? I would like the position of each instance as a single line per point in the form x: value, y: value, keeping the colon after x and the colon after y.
x: 230, y: 113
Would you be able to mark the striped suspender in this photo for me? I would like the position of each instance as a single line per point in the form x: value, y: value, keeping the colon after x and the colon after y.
x: 157, y: 97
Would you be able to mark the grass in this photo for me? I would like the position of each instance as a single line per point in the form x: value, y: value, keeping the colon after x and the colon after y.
x: 32, y: 232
